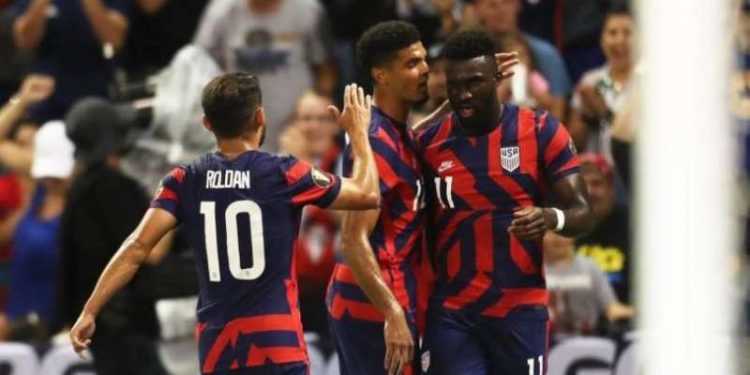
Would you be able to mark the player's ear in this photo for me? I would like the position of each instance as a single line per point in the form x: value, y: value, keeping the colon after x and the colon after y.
x: 380, y: 76
x: 207, y: 124
x: 259, y: 118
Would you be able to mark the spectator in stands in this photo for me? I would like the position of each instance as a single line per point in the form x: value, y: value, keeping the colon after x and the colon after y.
x: 15, y: 62
x: 609, y: 245
x: 348, y: 20
x: 624, y: 127
x: 74, y: 42
x: 740, y: 86
x: 538, y: 18
x: 16, y: 155
x: 35, y: 236
x: 532, y: 89
x: 742, y: 36
x: 579, y: 292
x: 11, y: 201
x: 312, y: 129
x: 602, y: 92
x: 500, y: 19
x: 435, y: 19
x: 17, y: 128
x: 436, y: 86
x: 103, y: 207
x: 573, y: 26
x: 158, y: 29
x: 285, y: 43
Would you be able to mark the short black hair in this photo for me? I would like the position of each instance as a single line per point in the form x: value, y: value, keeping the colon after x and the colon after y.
x: 468, y: 44
x: 617, y: 10
x: 229, y: 102
x: 380, y: 43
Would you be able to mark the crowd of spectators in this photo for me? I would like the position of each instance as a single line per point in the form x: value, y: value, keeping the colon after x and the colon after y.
x: 80, y: 79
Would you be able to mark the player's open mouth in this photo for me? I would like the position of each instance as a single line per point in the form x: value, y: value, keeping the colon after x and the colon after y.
x: 466, y: 112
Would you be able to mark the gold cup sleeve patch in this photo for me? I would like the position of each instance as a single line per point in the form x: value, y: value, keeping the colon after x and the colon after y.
x: 159, y: 190
x: 320, y: 178
x: 572, y: 147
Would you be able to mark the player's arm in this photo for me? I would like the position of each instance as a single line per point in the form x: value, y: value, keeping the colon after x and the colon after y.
x: 576, y: 216
x: 361, y: 191
x: 133, y: 252
x: 573, y: 215
x: 355, y: 245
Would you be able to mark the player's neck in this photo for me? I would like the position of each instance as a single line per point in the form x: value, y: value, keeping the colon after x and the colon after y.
x: 488, y: 125
x: 391, y: 105
x: 234, y: 147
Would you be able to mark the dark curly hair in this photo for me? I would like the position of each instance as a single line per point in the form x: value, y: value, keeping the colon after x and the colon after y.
x: 468, y: 44
x: 229, y: 102
x: 380, y: 43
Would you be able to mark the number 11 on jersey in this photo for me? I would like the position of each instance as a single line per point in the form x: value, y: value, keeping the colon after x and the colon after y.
x: 530, y: 363
x: 252, y: 209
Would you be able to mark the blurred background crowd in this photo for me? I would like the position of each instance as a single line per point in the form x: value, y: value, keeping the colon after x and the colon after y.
x: 101, y: 99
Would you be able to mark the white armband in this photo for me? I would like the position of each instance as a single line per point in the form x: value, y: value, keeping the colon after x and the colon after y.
x: 560, y: 219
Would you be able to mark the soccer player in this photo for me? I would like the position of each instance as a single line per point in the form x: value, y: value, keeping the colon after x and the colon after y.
x: 380, y: 245
x: 373, y: 293
x: 491, y: 167
x: 241, y: 211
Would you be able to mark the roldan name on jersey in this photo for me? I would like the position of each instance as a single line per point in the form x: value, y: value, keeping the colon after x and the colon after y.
x: 227, y: 179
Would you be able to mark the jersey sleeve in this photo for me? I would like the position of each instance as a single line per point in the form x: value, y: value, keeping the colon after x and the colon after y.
x: 167, y: 197
x: 559, y: 156
x: 385, y: 158
x: 306, y: 184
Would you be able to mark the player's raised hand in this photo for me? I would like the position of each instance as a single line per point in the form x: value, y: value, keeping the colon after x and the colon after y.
x: 399, y: 345
x: 356, y: 113
x: 530, y: 223
x: 80, y: 334
x: 506, y: 61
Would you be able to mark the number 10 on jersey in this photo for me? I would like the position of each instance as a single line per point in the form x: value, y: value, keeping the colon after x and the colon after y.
x: 208, y: 210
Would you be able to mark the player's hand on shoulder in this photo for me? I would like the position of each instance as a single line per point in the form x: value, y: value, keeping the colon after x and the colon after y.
x: 506, y: 61
x: 399, y: 344
x: 356, y: 113
x: 530, y: 223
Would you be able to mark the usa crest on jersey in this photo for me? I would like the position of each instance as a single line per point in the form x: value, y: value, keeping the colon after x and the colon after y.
x: 510, y: 158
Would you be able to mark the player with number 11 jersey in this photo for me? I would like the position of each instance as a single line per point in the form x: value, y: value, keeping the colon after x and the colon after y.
x: 491, y: 168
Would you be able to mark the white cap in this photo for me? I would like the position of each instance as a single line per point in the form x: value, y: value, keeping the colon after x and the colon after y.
x: 53, y: 152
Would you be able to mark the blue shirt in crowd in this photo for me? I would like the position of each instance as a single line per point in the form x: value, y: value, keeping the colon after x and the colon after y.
x: 33, y: 264
x: 71, y: 53
x: 550, y: 65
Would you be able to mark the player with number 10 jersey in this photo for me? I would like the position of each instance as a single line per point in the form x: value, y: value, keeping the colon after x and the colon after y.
x: 241, y: 211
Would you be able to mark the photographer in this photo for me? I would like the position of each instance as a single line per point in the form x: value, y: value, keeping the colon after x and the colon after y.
x: 103, y: 207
